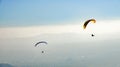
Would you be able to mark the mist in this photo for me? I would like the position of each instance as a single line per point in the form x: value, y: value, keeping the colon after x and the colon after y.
x: 63, y: 50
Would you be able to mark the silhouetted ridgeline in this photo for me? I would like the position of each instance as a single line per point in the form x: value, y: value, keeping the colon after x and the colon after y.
x: 5, y: 65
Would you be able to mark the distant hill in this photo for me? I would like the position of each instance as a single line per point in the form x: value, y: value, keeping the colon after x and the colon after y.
x: 5, y: 65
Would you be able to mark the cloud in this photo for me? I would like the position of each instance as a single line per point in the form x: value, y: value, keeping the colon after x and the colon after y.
x: 68, y: 45
x: 36, y: 30
x: 62, y: 50
x: 101, y: 27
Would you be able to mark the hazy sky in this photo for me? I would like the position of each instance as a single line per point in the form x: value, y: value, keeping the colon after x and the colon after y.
x: 25, y: 22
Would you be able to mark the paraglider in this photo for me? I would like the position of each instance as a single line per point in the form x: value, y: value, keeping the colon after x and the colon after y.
x: 40, y: 43
x: 42, y: 51
x: 86, y: 23
x: 92, y: 35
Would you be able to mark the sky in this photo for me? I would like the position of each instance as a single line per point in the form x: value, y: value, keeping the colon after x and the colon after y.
x: 39, y: 12
x: 23, y: 23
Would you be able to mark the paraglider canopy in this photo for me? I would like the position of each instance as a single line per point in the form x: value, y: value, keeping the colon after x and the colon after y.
x: 86, y: 22
x: 41, y: 42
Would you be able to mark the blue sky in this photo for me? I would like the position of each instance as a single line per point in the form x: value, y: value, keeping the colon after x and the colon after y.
x: 49, y: 12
